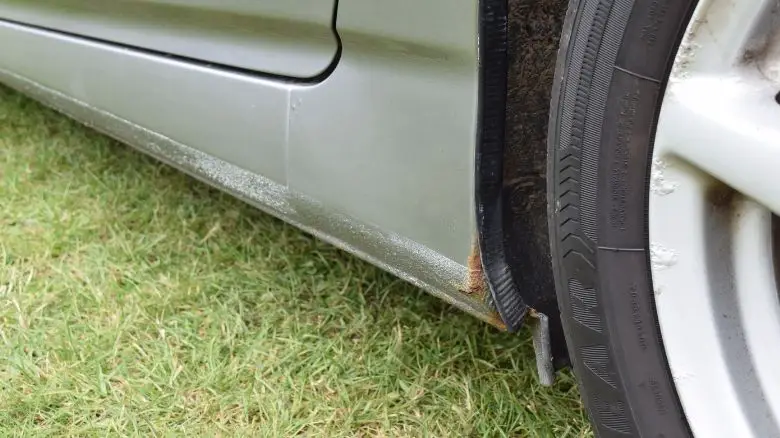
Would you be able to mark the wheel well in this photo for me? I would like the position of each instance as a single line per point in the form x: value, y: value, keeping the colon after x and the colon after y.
x: 518, y: 49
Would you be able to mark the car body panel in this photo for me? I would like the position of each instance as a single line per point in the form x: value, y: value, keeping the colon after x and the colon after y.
x: 376, y: 157
x: 293, y: 38
x: 389, y: 138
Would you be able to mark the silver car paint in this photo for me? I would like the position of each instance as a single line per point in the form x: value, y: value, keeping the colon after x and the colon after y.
x: 378, y: 158
x: 292, y: 38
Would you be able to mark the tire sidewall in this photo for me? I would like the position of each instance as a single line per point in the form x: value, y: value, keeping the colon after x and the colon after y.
x: 614, y: 59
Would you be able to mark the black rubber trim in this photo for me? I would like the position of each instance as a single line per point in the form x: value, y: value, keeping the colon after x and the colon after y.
x: 320, y: 77
x: 518, y: 47
x: 490, y: 163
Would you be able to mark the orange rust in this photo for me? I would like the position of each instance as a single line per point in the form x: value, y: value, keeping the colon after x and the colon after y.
x: 495, y: 320
x: 475, y: 282
x: 476, y: 285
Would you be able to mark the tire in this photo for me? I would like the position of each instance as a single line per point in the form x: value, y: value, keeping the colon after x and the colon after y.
x: 614, y: 59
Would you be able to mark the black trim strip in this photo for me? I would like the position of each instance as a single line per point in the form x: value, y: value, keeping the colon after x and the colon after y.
x: 490, y: 162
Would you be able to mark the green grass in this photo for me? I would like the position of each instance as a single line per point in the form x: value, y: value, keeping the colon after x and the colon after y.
x: 137, y: 301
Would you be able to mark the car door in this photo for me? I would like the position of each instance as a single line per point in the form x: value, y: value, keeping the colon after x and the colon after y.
x: 293, y: 38
x: 355, y: 121
x: 213, y: 76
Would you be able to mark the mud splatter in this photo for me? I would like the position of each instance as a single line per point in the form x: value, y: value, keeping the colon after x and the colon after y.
x: 662, y: 257
x: 659, y: 184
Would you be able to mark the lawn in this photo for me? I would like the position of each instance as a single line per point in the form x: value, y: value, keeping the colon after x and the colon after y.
x: 136, y: 301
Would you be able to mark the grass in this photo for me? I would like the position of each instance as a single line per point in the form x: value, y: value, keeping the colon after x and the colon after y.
x: 136, y: 301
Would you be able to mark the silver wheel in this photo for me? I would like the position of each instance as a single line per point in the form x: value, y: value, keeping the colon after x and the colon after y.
x: 713, y: 190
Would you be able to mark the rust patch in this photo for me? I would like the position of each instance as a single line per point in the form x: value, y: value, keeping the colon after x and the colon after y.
x: 475, y: 282
x: 495, y: 320
x: 476, y: 286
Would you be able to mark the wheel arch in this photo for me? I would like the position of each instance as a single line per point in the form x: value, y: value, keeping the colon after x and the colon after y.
x: 518, y: 48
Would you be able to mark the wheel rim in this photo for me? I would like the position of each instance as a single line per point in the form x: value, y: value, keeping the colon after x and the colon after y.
x: 713, y: 189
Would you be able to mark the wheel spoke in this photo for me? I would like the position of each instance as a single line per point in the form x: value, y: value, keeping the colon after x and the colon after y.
x: 730, y: 128
x: 725, y: 31
x: 716, y: 299
x: 756, y: 294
